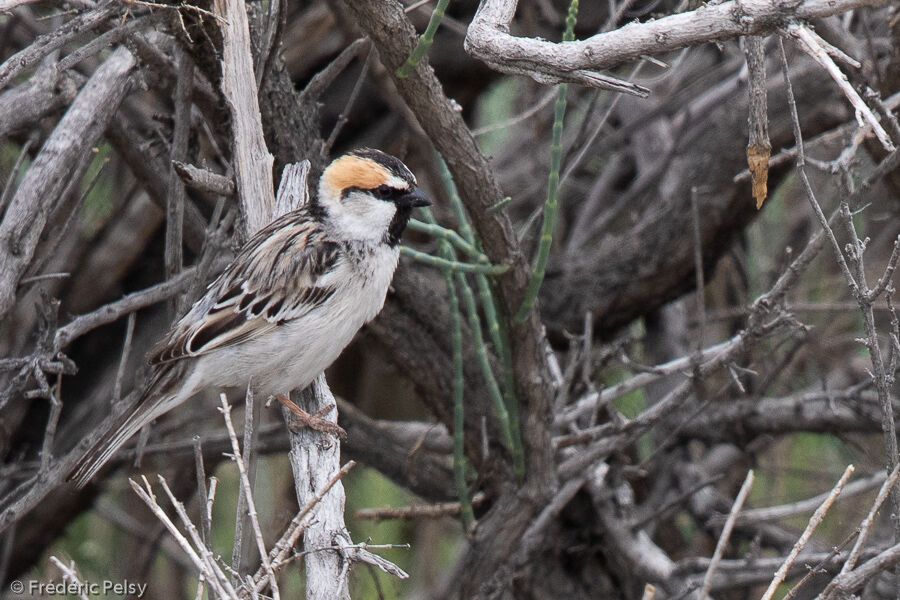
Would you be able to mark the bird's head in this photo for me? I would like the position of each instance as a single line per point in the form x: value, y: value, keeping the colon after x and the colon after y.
x: 369, y: 195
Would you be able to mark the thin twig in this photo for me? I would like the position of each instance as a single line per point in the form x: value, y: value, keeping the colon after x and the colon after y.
x: 248, y: 490
x: 114, y: 310
x: 351, y: 100
x: 69, y: 574
x: 864, y: 114
x: 296, y: 527
x: 202, y: 493
x: 768, y: 514
x: 726, y: 533
x: 453, y: 265
x: 408, y: 513
x: 886, y: 279
x: 864, y: 528
x: 202, y: 557
x: 807, y: 533
x: 123, y: 360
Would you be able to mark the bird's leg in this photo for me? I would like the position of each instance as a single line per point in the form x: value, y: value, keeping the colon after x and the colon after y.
x: 315, y: 421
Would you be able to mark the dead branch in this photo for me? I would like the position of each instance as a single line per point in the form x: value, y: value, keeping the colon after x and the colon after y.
x: 488, y: 36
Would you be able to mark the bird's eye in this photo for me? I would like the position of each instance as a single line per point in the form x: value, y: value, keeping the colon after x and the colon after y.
x: 383, y: 191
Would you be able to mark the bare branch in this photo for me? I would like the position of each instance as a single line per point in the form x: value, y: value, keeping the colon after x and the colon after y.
x: 252, y: 160
x: 812, y: 45
x: 63, y: 157
x: 488, y: 37
x: 204, y: 180
x: 54, y: 40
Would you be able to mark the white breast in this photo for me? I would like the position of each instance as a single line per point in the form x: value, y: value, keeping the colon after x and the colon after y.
x: 297, y: 351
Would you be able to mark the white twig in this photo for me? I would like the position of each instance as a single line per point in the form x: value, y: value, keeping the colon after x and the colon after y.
x: 297, y: 526
x: 248, y: 492
x: 252, y: 160
x: 206, y: 565
x: 69, y: 574
x: 810, y: 43
x: 807, y: 533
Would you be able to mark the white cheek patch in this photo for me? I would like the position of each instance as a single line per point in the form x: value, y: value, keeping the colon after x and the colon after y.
x: 362, y: 217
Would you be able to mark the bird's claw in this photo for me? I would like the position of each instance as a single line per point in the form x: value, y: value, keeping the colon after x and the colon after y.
x: 316, y: 421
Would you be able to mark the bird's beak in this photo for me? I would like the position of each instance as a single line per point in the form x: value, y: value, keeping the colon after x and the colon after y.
x: 416, y: 198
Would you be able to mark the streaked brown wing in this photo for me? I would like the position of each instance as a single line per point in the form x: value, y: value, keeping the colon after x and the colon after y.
x: 277, y: 276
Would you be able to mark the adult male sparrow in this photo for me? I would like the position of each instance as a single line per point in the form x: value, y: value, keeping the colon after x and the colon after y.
x: 292, y: 299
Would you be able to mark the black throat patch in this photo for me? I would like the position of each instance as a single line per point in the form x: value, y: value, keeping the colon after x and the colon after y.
x: 398, y: 224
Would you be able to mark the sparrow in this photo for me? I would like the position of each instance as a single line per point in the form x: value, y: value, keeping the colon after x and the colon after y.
x: 293, y: 297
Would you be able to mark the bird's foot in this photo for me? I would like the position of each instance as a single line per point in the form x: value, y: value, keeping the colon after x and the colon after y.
x: 316, y: 421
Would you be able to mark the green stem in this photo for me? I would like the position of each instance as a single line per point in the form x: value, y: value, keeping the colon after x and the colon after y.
x: 442, y: 233
x: 551, y: 205
x: 453, y: 265
x: 499, y: 335
x: 484, y: 362
x: 459, y: 450
x: 425, y: 40
x: 512, y: 404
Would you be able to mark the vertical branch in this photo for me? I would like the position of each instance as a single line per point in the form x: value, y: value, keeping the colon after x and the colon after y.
x: 242, y: 551
x: 758, y: 147
x: 175, y: 195
x: 860, y: 291
x: 247, y: 488
x: 252, y: 160
x: 315, y: 457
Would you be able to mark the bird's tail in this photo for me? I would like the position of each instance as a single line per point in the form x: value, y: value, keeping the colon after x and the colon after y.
x: 122, y: 427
